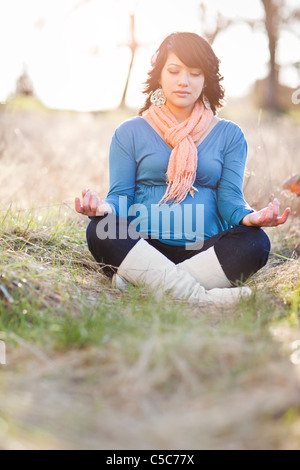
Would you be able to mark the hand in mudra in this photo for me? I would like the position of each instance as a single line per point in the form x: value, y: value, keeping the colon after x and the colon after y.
x: 267, y: 217
x: 91, y: 205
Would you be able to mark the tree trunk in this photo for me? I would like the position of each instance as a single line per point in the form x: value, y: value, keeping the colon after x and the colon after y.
x: 272, y: 8
x: 133, y: 46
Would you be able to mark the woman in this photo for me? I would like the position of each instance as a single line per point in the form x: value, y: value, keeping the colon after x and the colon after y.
x: 175, y: 218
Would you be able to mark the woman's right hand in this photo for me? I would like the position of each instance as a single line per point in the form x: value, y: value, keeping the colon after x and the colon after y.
x: 91, y: 205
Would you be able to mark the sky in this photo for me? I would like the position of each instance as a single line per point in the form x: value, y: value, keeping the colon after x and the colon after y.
x: 77, y: 56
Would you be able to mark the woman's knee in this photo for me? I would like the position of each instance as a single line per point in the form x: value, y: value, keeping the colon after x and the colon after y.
x: 243, y: 252
x: 259, y: 246
x: 95, y: 244
x: 110, y: 238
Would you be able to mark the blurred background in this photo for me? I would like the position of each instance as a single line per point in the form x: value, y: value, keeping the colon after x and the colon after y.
x: 84, y: 54
x: 72, y: 70
x: 87, y: 368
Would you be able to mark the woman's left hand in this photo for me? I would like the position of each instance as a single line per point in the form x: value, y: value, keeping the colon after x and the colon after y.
x: 267, y: 217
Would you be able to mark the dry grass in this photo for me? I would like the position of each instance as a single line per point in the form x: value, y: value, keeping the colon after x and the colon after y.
x: 91, y: 368
x: 274, y: 155
x: 48, y: 157
x: 200, y: 392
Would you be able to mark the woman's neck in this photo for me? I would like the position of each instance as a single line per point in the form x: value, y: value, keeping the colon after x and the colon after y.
x: 181, y: 114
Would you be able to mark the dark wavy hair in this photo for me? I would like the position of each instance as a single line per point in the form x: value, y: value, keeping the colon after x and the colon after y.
x: 195, y: 52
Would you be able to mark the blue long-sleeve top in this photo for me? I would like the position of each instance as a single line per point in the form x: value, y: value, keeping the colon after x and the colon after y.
x: 138, y: 161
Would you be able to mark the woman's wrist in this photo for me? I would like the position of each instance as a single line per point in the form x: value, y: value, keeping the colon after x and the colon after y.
x: 105, y: 208
x: 246, y: 220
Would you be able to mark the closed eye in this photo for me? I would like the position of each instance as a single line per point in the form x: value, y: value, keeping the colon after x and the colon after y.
x: 197, y: 72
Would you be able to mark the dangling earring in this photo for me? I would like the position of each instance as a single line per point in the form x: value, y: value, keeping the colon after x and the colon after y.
x: 206, y: 102
x: 158, y: 98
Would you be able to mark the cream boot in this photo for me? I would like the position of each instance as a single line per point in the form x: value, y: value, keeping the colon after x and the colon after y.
x: 144, y: 265
x: 206, y: 269
x: 118, y: 282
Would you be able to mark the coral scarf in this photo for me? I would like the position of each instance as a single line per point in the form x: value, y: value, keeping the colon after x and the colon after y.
x: 181, y: 137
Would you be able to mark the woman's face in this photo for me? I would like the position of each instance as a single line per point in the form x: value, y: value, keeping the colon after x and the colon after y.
x: 181, y: 85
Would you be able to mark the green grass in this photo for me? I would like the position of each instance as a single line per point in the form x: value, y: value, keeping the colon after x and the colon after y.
x: 24, y: 103
x: 51, y: 283
x: 55, y: 294
x: 132, y: 353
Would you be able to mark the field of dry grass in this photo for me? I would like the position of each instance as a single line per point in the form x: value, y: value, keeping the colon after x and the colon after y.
x: 89, y: 367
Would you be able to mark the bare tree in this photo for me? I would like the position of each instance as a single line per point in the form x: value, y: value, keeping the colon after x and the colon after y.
x: 273, y: 9
x: 24, y: 85
x: 279, y: 15
x: 221, y: 23
x: 133, y: 47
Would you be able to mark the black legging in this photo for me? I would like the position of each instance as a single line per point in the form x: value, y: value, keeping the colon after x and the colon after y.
x: 241, y: 250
